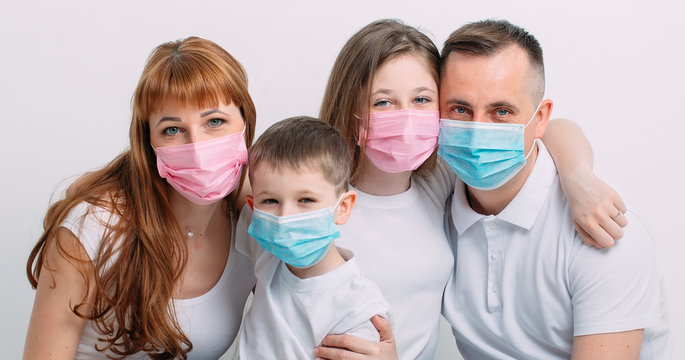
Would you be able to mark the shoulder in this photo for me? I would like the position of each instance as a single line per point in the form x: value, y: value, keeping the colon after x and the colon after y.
x: 439, y: 183
x: 90, y: 224
x: 635, y: 250
x: 619, y: 288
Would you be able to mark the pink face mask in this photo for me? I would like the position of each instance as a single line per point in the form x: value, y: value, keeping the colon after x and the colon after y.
x: 401, y: 140
x: 203, y: 172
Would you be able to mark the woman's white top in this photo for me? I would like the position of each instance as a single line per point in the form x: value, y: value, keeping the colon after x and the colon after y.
x: 211, y: 320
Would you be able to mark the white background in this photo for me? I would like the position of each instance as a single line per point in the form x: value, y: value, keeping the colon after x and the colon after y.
x: 68, y: 70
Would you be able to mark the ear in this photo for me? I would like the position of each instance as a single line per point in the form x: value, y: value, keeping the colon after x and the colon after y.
x: 542, y: 118
x: 343, y: 212
x: 250, y: 201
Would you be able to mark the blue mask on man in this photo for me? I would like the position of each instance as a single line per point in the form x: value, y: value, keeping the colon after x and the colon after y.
x: 484, y: 155
x: 300, y: 240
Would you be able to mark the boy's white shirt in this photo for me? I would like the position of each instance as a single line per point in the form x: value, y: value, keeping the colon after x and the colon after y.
x: 399, y: 243
x: 290, y: 316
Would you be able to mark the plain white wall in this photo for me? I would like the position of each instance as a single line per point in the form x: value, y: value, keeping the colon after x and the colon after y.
x: 68, y: 69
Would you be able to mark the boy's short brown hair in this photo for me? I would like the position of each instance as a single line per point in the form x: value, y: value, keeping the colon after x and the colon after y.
x: 304, y: 141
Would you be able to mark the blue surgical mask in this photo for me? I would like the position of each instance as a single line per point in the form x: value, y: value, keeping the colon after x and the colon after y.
x: 300, y: 240
x: 484, y: 155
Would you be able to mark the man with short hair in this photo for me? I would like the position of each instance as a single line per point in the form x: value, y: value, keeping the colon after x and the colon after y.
x: 524, y: 285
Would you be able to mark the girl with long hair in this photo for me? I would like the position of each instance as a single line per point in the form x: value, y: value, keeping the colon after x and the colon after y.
x: 382, y: 95
x: 138, y: 259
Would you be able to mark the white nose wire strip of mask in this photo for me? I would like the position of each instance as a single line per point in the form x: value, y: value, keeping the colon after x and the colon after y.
x: 480, y: 125
x: 294, y: 217
x: 429, y: 114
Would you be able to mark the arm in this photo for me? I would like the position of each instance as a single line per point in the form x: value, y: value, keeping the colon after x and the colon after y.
x: 337, y: 347
x: 54, y: 330
x: 609, y: 346
x: 596, y: 208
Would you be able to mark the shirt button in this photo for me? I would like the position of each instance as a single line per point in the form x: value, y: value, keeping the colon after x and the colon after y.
x: 495, y: 288
x: 495, y: 255
x: 492, y: 226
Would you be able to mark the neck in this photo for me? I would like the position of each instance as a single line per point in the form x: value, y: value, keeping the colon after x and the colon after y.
x: 492, y: 202
x: 375, y: 181
x: 193, y: 217
x: 330, y: 262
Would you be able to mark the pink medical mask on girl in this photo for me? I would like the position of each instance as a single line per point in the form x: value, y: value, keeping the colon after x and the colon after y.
x: 401, y: 140
x: 206, y: 171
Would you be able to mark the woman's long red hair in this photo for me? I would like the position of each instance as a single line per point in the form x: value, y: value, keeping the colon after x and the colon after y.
x: 143, y: 254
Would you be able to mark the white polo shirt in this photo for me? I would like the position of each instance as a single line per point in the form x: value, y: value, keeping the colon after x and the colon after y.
x: 525, y: 284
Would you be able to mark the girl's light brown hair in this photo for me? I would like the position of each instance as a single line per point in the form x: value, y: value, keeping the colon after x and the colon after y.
x: 346, y: 101
x: 132, y: 307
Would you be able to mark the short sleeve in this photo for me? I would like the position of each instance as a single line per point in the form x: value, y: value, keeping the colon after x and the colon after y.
x: 89, y: 224
x: 616, y: 289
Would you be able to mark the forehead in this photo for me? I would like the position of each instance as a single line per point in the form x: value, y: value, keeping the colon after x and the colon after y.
x: 503, y: 76
x: 405, y: 69
x: 170, y: 106
x: 284, y: 178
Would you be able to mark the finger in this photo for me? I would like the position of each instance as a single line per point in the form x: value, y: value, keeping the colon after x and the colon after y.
x: 349, y: 342
x: 621, y: 220
x: 587, y: 239
x: 335, y: 353
x: 384, y: 330
x: 611, y: 227
x: 618, y: 202
x: 601, y: 237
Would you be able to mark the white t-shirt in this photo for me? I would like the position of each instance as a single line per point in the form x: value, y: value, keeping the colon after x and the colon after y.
x: 211, y: 321
x: 525, y: 284
x: 400, y: 244
x: 290, y: 316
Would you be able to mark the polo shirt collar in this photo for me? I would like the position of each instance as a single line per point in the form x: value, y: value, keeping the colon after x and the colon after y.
x: 526, y: 205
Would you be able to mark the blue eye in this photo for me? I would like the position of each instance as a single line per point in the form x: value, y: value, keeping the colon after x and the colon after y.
x: 269, y: 201
x: 422, y: 100
x: 502, y: 112
x: 460, y: 109
x: 172, y: 130
x: 307, y: 200
x: 382, y: 103
x: 216, y: 122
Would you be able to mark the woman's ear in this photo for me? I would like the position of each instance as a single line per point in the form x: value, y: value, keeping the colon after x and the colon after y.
x: 344, y: 210
x: 250, y: 201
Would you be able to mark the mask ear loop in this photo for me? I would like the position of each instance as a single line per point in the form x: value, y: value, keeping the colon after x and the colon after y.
x: 528, y: 123
x: 338, y: 202
x: 533, y: 117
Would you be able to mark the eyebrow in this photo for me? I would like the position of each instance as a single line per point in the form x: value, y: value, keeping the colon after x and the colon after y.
x: 168, y: 118
x: 212, y: 111
x: 389, y: 91
x: 505, y: 104
x: 457, y: 101
x: 175, y: 118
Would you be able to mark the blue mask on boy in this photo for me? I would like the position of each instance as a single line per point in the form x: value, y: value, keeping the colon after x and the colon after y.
x: 484, y: 155
x: 300, y: 240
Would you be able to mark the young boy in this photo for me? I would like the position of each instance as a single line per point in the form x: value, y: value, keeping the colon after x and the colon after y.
x: 306, y: 287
